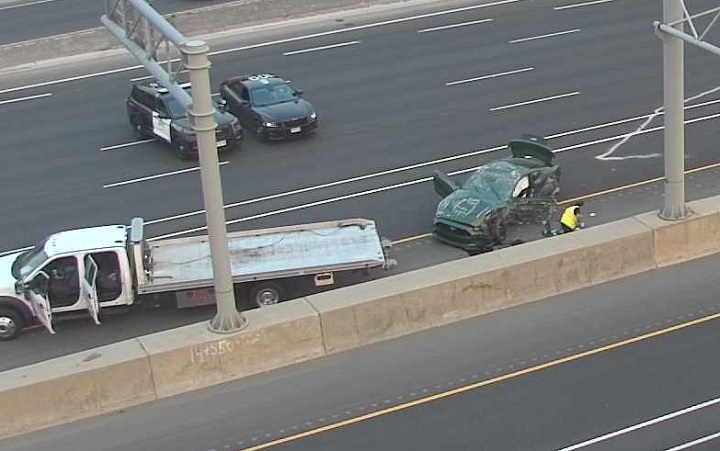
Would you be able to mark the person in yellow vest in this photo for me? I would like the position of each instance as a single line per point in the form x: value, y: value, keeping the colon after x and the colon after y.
x: 571, y: 217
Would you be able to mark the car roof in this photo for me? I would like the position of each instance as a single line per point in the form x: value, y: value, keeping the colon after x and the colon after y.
x: 256, y: 80
x: 155, y: 88
x: 74, y: 241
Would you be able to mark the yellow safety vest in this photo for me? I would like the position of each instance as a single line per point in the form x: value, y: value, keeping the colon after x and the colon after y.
x: 569, y: 218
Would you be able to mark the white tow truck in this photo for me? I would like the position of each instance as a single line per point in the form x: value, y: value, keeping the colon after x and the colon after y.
x: 110, y: 266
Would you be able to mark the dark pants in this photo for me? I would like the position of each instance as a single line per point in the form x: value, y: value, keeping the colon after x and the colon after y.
x: 566, y: 229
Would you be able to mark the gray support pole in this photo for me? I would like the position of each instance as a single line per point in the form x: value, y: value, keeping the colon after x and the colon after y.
x: 195, y: 56
x: 674, y: 137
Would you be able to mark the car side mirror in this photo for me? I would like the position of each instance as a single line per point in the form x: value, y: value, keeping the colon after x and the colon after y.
x: 299, y: 92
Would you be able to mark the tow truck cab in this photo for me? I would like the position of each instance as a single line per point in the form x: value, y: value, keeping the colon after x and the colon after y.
x: 76, y: 270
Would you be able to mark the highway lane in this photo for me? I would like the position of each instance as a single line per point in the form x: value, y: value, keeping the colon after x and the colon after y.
x: 21, y: 20
x: 426, y: 120
x: 75, y: 335
x: 547, y: 408
x: 362, y: 132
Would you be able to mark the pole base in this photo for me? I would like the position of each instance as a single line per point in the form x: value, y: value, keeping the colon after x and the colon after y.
x: 674, y: 212
x: 227, y: 324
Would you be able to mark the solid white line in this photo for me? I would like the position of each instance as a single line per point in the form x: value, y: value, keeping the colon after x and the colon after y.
x: 22, y: 99
x: 707, y: 438
x: 120, y: 146
x: 22, y: 5
x: 157, y: 176
x: 447, y: 27
x: 645, y: 424
x: 324, y: 47
x: 579, y: 5
x: 484, y: 77
x: 560, y: 33
x: 530, y: 102
x: 270, y: 43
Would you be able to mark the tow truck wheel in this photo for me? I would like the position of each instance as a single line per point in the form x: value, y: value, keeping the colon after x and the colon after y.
x: 11, y: 324
x: 266, y: 294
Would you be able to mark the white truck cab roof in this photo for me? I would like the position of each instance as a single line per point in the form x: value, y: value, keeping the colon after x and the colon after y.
x: 79, y: 240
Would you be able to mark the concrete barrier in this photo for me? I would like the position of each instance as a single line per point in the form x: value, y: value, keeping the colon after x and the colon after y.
x: 75, y: 386
x: 192, y: 357
x: 184, y: 359
x: 430, y: 297
x: 694, y: 237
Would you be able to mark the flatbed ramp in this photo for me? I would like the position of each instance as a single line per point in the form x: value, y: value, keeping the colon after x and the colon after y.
x: 185, y: 263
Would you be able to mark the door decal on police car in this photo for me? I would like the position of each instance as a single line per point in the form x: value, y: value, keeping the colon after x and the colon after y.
x: 161, y: 126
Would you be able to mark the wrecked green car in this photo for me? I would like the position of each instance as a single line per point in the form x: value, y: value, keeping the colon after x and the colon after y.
x: 521, y: 188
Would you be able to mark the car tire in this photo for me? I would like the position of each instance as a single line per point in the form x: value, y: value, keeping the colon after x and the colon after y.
x: 265, y: 294
x: 181, y: 148
x: 260, y: 133
x: 499, y: 231
x: 11, y: 324
x: 138, y: 128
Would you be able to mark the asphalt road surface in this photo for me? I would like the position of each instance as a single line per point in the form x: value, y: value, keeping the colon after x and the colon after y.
x: 393, y: 105
x: 534, y: 377
x: 21, y: 20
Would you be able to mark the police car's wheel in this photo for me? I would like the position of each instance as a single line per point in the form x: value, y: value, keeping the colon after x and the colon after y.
x: 11, y: 324
x: 139, y: 130
x: 181, y: 148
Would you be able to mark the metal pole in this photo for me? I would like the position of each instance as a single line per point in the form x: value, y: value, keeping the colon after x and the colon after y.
x: 674, y: 207
x: 195, y: 56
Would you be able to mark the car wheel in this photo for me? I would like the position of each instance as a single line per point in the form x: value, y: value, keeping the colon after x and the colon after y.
x: 138, y: 128
x: 499, y: 231
x: 266, y: 294
x: 181, y: 148
x: 260, y: 133
x: 11, y: 324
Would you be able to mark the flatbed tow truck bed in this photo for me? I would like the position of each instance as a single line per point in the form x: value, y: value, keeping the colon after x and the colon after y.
x: 185, y: 263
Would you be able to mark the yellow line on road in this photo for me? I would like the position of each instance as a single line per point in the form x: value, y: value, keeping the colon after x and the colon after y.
x: 480, y: 384
x: 592, y: 195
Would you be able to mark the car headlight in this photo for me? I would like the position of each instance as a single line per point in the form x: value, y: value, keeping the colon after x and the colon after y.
x: 235, y: 126
x: 313, y: 115
x: 270, y: 124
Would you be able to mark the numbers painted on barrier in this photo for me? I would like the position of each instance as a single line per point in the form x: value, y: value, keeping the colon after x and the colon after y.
x: 211, y: 351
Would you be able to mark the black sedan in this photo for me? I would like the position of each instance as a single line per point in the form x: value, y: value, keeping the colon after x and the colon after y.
x: 269, y: 106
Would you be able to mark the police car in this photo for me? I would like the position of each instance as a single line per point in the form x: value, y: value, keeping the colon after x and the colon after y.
x: 154, y: 112
x: 269, y: 106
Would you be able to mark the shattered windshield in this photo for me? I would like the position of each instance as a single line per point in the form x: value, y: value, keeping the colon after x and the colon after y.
x: 494, y: 181
x: 29, y: 261
x: 272, y: 93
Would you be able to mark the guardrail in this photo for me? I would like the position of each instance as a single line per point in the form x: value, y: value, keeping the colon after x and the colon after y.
x: 188, y: 358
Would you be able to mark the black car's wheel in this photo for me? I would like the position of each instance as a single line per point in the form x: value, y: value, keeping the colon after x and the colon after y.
x: 138, y: 128
x: 260, y: 132
x: 11, y: 324
x: 499, y: 231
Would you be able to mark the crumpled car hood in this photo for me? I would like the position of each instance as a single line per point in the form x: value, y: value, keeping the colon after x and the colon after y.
x: 464, y: 207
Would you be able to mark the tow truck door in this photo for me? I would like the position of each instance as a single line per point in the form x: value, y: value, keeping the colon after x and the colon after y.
x: 36, y: 293
x: 88, y: 288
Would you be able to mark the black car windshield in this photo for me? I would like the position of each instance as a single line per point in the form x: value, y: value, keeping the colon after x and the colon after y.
x: 29, y: 261
x: 494, y: 183
x: 272, y: 93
